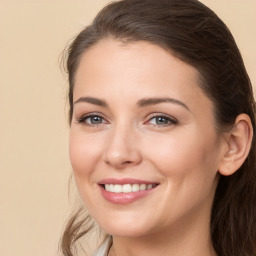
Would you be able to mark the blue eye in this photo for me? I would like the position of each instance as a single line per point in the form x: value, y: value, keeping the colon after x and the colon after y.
x: 162, y: 121
x: 92, y: 120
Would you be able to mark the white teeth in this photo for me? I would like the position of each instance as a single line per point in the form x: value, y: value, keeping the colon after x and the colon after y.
x: 118, y: 188
x: 135, y: 187
x: 143, y: 187
x: 149, y: 186
x: 111, y: 187
x: 127, y: 188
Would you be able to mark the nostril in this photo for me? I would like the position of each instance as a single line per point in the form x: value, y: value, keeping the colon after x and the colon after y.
x: 126, y: 162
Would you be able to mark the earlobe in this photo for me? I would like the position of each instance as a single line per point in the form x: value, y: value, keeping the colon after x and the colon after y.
x: 238, y: 145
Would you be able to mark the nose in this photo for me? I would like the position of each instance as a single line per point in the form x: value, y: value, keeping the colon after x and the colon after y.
x: 122, y: 149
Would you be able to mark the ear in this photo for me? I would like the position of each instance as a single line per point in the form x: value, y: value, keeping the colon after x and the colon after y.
x: 238, y: 145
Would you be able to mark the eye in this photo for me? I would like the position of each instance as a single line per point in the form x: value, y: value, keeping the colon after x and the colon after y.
x: 162, y: 120
x: 92, y: 120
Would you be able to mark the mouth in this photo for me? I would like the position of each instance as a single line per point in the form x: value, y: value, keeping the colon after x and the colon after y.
x: 126, y: 191
x: 128, y: 188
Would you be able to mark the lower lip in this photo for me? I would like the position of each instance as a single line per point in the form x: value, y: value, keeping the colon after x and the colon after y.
x: 124, y: 198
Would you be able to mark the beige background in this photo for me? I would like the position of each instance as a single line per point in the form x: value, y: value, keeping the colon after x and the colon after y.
x: 34, y: 161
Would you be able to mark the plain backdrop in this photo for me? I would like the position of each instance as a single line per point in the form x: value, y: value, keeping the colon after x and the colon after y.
x: 34, y: 164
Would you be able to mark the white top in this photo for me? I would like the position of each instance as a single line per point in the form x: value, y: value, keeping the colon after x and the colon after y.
x: 104, y: 248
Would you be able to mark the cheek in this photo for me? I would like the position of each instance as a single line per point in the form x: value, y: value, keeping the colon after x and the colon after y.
x: 84, y: 153
x: 84, y: 156
x: 188, y: 167
x: 185, y: 158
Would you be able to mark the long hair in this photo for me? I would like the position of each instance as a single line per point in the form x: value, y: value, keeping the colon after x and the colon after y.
x: 193, y: 33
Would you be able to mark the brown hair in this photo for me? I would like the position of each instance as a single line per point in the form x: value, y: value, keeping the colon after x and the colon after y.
x: 193, y: 33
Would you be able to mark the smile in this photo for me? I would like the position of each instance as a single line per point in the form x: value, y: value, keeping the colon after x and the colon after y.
x: 128, y: 188
x: 125, y: 191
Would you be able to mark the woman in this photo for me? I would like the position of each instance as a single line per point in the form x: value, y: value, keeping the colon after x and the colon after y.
x: 162, y: 119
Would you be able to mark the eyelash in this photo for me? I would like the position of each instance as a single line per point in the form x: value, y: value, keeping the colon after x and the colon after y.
x: 90, y: 116
x: 170, y: 120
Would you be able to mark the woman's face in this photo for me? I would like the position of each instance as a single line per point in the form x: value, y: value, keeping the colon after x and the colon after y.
x: 143, y: 142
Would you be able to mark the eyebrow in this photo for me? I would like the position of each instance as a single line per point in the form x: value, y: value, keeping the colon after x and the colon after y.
x: 140, y: 103
x: 154, y: 101
x: 93, y: 101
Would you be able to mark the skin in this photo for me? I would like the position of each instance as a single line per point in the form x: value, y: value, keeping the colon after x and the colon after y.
x: 183, y: 153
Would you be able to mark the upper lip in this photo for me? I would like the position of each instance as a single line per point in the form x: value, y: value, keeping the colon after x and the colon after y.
x: 125, y: 181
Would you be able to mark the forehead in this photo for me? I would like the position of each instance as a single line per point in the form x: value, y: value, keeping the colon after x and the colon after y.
x: 128, y: 60
x: 138, y: 69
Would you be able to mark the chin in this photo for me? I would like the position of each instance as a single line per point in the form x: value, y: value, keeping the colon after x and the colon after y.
x: 128, y: 227
x: 131, y: 232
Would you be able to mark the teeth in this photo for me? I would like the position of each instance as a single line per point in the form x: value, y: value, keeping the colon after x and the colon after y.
x: 149, y: 186
x: 127, y: 188
x: 118, y: 188
x: 143, y: 187
x: 135, y: 187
